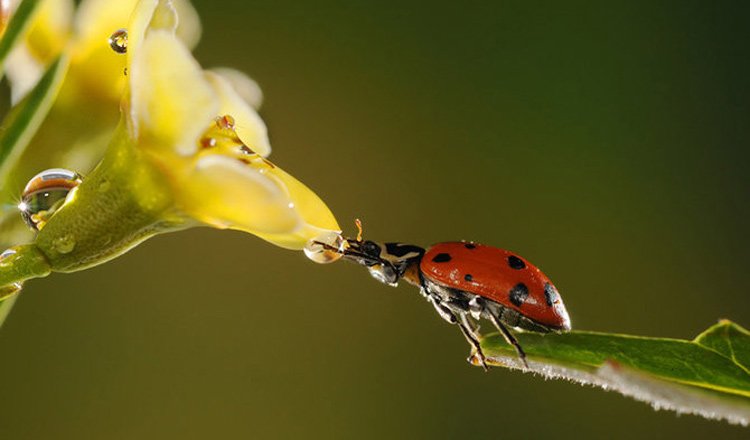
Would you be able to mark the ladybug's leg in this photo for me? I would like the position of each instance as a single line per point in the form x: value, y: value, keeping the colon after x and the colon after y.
x: 469, y: 323
x: 442, y: 310
x: 509, y: 338
x: 474, y: 342
x: 450, y: 316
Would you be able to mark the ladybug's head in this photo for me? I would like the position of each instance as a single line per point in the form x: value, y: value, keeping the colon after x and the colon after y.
x: 387, y: 262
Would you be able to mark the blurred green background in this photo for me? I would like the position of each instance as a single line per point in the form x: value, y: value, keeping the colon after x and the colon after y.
x: 605, y: 141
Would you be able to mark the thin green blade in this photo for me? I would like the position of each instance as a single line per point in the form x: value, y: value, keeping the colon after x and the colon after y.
x: 24, y: 119
x: 17, y: 26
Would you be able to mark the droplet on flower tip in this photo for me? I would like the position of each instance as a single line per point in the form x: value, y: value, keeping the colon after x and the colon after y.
x: 326, y: 248
x: 118, y: 41
x: 45, y: 194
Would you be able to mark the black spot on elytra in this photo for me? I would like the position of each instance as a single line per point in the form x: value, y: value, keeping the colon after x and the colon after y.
x: 441, y: 258
x: 468, y: 277
x: 518, y: 294
x: 550, y: 294
x: 470, y: 245
x: 516, y: 263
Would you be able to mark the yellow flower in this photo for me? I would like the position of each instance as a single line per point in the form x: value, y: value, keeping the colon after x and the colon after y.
x: 216, y: 172
x: 79, y: 126
x: 208, y: 142
x: 189, y: 150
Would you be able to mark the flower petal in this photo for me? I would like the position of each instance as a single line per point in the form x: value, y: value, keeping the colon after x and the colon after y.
x: 246, y: 87
x: 50, y: 29
x: 317, y: 219
x: 248, y: 125
x: 189, y: 23
x: 170, y: 100
x: 226, y: 193
x: 48, y: 33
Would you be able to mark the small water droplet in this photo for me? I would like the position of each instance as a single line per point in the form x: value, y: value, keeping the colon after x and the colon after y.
x: 4, y: 257
x: 118, y: 41
x: 208, y: 142
x: 226, y: 121
x: 64, y: 244
x: 7, y: 261
x: 326, y: 248
x: 45, y: 194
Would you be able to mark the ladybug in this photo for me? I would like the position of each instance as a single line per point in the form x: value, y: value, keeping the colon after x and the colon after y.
x: 466, y: 281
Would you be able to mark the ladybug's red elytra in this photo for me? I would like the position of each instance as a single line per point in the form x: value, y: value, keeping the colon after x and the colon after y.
x: 466, y: 281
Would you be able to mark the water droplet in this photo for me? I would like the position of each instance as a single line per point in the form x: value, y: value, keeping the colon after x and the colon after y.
x: 4, y: 257
x: 64, y: 244
x: 208, y: 142
x: 326, y: 248
x: 118, y: 41
x: 244, y: 149
x: 45, y: 194
x: 226, y: 122
x: 5, y: 261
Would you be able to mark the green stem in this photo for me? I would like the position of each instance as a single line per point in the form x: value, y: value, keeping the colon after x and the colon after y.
x: 25, y: 262
x: 124, y: 201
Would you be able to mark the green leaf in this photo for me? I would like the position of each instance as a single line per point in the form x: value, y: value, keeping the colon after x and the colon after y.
x: 709, y: 376
x: 24, y: 119
x: 17, y: 26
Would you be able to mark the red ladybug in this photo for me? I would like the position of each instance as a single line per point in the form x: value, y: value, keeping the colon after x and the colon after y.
x: 468, y: 281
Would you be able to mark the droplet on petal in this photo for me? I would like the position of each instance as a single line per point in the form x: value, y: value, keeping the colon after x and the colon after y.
x: 326, y: 248
x: 45, y: 194
x: 226, y: 122
x: 208, y: 142
x: 118, y: 41
x: 221, y: 138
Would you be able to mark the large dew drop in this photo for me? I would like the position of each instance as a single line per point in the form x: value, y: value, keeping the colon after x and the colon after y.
x: 46, y: 193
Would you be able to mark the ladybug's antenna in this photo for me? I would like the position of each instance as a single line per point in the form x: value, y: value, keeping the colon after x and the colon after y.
x: 358, y: 222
